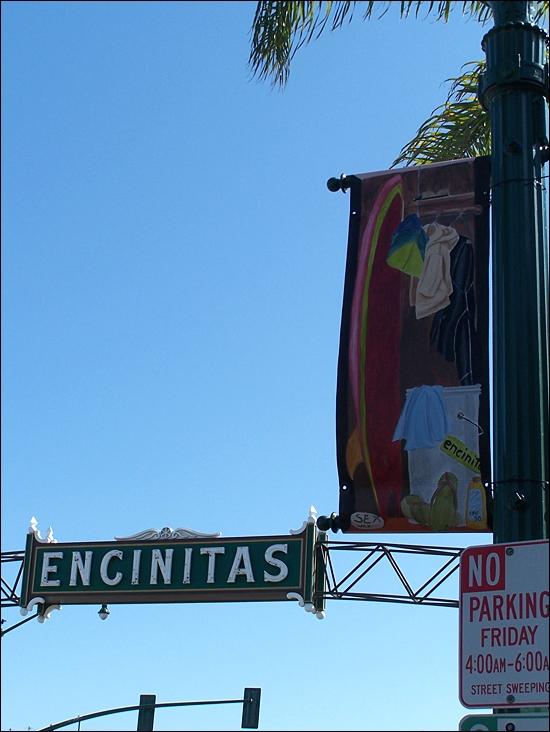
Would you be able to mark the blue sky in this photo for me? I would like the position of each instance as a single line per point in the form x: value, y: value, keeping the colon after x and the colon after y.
x: 172, y: 280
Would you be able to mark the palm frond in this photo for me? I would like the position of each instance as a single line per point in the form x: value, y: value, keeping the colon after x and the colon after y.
x: 480, y: 11
x: 459, y: 128
x: 279, y: 29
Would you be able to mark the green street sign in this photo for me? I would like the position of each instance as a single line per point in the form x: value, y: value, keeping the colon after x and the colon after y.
x: 156, y: 567
x: 519, y: 722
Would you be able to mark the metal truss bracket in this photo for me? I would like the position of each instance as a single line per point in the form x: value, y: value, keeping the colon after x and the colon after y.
x: 9, y: 596
x: 353, y: 584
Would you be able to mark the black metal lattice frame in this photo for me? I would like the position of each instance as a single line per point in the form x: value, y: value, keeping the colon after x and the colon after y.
x: 375, y: 552
x: 9, y: 595
x: 8, y: 589
x: 345, y: 588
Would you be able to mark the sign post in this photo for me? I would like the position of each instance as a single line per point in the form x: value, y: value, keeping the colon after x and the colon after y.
x: 513, y: 91
x: 504, y: 608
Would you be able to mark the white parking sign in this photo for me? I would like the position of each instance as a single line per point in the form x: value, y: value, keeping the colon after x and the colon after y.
x: 504, y: 607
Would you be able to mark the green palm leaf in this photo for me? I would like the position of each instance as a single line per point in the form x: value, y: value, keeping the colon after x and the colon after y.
x: 459, y: 128
x: 279, y: 29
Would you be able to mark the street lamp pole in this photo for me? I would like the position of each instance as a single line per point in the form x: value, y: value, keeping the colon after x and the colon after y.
x: 513, y: 90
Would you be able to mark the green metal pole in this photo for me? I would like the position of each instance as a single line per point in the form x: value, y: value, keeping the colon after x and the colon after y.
x: 513, y: 91
x: 146, y: 714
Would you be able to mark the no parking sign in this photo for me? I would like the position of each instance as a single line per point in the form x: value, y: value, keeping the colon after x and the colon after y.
x: 504, y: 608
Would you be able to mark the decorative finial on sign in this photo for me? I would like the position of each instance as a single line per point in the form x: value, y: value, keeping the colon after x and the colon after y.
x: 33, y: 529
x: 47, y: 612
x: 33, y: 526
x: 311, y: 519
x: 167, y: 533
x: 35, y: 601
x: 309, y: 607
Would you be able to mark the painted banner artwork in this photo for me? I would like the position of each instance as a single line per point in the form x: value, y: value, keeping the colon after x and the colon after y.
x: 412, y: 413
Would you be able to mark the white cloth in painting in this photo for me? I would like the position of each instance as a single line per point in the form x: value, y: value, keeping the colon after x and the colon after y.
x: 423, y: 421
x: 435, y: 285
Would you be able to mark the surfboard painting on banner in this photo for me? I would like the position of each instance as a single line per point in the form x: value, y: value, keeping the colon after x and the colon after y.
x: 412, y: 404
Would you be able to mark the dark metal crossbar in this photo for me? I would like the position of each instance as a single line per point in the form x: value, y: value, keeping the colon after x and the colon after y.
x: 346, y: 588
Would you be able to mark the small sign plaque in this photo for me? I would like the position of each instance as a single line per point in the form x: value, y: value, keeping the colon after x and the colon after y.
x: 523, y: 722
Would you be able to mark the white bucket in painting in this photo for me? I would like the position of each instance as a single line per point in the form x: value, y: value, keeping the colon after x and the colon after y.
x: 426, y: 465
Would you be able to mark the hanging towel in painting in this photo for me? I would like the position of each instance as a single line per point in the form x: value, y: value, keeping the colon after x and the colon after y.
x: 407, y: 247
x: 434, y: 286
x: 423, y: 421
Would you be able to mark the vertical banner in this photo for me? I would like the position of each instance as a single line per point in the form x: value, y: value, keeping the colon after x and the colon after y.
x: 412, y: 412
